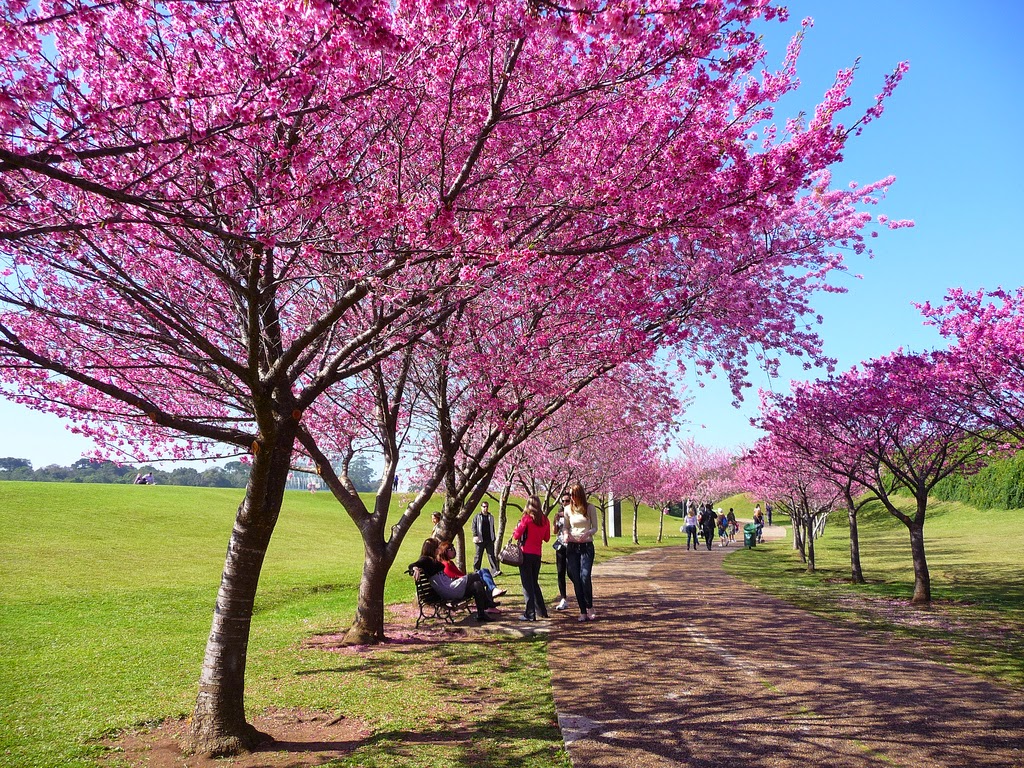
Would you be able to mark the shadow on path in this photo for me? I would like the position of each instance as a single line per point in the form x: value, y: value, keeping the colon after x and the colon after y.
x: 688, y: 666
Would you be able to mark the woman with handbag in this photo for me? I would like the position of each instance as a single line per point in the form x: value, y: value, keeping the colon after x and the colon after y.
x: 532, y: 531
x: 579, y: 550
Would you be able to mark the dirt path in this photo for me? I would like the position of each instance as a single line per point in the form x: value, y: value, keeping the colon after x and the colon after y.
x: 686, y: 667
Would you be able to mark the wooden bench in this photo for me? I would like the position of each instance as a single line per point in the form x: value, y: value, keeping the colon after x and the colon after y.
x: 432, y: 605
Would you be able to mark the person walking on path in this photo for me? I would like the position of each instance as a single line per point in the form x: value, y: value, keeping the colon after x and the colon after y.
x: 733, y: 525
x: 723, y: 529
x: 707, y: 525
x: 483, y: 538
x: 579, y: 553
x: 561, y: 530
x: 759, y: 522
x: 532, y: 531
x: 768, y: 511
x: 690, y: 527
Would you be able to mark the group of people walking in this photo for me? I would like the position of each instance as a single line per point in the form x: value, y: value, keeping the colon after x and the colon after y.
x: 575, y: 523
x: 703, y: 521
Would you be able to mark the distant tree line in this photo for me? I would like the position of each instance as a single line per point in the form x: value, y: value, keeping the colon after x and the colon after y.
x: 234, y: 474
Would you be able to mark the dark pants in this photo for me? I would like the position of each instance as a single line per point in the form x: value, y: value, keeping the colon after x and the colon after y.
x: 488, y: 547
x: 478, y: 590
x: 529, y: 575
x: 560, y: 569
x: 579, y: 560
x: 691, y: 533
x: 709, y: 535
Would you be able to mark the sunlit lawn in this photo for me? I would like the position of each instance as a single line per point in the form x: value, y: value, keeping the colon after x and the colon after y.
x: 106, y: 598
x: 974, y: 558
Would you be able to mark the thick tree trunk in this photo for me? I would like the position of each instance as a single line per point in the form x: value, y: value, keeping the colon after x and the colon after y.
x: 922, y: 580
x: 368, y: 626
x: 219, y: 727
x: 856, y: 575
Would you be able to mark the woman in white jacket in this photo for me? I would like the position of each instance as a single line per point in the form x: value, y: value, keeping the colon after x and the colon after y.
x: 581, y: 519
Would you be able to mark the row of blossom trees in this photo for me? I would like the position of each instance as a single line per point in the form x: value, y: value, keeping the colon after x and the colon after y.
x: 900, y: 423
x: 293, y: 230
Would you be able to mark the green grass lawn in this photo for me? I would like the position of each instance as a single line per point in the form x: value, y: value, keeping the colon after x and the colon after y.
x: 107, y: 592
x: 975, y: 557
x: 106, y: 599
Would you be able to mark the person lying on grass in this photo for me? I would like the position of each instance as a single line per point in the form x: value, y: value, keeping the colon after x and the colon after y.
x: 472, y: 584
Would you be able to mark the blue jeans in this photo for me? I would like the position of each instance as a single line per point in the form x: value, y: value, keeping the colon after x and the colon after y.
x: 485, y: 575
x: 691, y: 533
x: 579, y: 561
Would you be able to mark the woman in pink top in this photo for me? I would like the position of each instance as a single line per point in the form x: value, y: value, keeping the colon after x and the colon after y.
x: 536, y: 529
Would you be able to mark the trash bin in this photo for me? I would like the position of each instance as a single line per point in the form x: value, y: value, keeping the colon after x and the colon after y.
x: 750, y: 535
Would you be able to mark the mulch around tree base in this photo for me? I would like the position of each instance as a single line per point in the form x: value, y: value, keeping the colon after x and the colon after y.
x: 302, y: 739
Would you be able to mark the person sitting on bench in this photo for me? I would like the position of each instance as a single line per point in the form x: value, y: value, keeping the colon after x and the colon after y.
x: 472, y: 585
x: 447, y: 557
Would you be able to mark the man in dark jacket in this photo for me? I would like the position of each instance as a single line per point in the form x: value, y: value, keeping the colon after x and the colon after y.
x: 707, y: 523
x: 483, y: 538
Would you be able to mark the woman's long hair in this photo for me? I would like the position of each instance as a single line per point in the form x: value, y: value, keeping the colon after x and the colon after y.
x: 535, y: 510
x: 429, y: 548
x: 578, y: 498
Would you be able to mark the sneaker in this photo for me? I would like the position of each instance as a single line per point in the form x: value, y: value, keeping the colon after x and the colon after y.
x: 591, y: 615
x: 526, y: 617
x: 495, y: 573
x: 583, y: 617
x: 484, y: 617
x: 562, y: 605
x: 498, y: 592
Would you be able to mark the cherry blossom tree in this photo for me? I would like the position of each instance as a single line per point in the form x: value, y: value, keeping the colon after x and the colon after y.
x: 213, y: 214
x: 772, y: 471
x: 987, y: 350
x: 799, y: 438
x: 902, y: 417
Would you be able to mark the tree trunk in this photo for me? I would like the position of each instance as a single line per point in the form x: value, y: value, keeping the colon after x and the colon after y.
x: 219, y: 727
x: 636, y: 515
x: 604, y: 521
x: 661, y: 524
x: 809, y: 538
x: 368, y: 626
x: 922, y: 581
x: 856, y: 574
x: 499, y: 529
x: 463, y: 559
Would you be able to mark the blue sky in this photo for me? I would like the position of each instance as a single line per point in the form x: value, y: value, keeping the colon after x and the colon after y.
x: 951, y: 136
